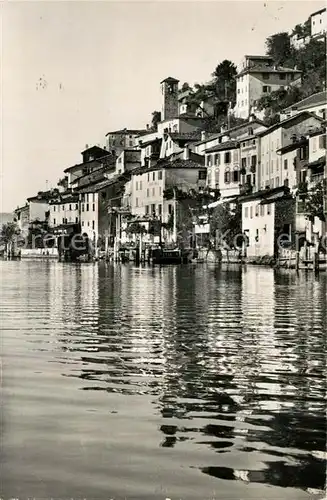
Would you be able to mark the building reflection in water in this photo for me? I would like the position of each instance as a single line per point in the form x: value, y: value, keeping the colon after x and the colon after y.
x: 224, y: 360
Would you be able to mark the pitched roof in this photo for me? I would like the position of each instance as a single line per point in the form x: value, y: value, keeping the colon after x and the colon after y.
x: 303, y: 114
x: 166, y: 163
x: 224, y: 146
x: 318, y: 163
x: 169, y: 79
x: 95, y: 149
x: 127, y: 131
x: 312, y: 100
x: 293, y: 146
x: 248, y: 124
x: 265, y: 194
x: 185, y: 137
x: 318, y: 12
x: 106, y: 159
x: 265, y: 69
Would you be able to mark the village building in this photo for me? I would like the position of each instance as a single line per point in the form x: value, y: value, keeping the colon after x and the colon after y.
x: 318, y: 23
x: 22, y: 218
x: 223, y: 168
x: 266, y: 215
x: 119, y: 140
x: 315, y: 103
x: 90, y: 163
x: 259, y: 77
x: 64, y: 209
x: 272, y: 173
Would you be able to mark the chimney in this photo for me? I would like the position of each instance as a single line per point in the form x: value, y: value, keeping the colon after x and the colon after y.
x: 203, y: 135
x: 186, y: 153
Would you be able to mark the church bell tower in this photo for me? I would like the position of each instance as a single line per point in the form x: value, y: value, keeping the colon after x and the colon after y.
x: 169, y: 91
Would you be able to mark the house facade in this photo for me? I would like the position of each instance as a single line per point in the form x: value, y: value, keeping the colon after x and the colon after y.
x: 318, y: 23
x: 119, y: 140
x: 316, y: 103
x: 260, y: 77
x: 223, y: 168
x: 271, y: 172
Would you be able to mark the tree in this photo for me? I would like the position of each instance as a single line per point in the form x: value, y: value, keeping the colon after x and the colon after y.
x: 278, y: 47
x: 185, y: 87
x: 156, y: 118
x: 315, y: 201
x: 136, y: 228
x: 224, y: 81
x: 9, y: 233
x: 227, y: 222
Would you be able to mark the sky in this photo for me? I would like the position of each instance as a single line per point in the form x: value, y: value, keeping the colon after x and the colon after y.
x: 74, y: 70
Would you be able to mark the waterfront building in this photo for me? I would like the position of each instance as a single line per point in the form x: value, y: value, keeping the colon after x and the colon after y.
x: 266, y: 214
x: 315, y: 103
x: 90, y: 163
x: 223, y: 168
x: 259, y: 77
x: 64, y: 209
x: 22, y: 218
x: 271, y: 173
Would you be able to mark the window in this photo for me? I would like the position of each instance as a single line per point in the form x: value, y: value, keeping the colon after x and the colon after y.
x: 54, y: 222
x: 131, y: 143
x: 154, y: 176
x: 82, y: 207
x: 87, y: 207
x: 140, y: 186
x: 285, y: 164
x: 227, y: 157
x: 148, y: 177
x: 136, y: 202
x: 265, y: 76
x: 323, y: 113
x: 88, y: 223
x: 266, y: 89
x: 272, y: 165
x: 262, y: 210
x: 153, y: 191
x: 251, y: 212
x: 86, y: 197
x: 146, y: 209
x: 268, y: 209
x: 136, y: 186
x: 277, y: 182
x: 238, y: 91
x: 76, y: 206
x: 159, y: 209
x: 153, y: 209
x: 93, y: 207
x: 70, y: 207
x: 63, y: 220
x: 160, y: 191
x: 54, y: 208
x: 322, y: 142
x: 236, y: 176
x: 243, y: 162
x: 246, y: 212
x: 217, y: 159
x: 93, y: 224
x: 93, y: 197
x: 82, y: 223
x: 76, y: 220
x: 286, y: 182
x: 227, y: 176
x: 160, y: 175
x: 63, y: 207
x: 292, y: 77
x: 282, y: 76
x: 253, y: 161
x: 257, y: 210
x: 202, y: 175
x: 257, y: 235
x: 209, y: 160
x: 170, y: 209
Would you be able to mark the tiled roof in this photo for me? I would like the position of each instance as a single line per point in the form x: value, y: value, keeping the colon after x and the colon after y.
x: 312, y: 100
x: 248, y: 124
x: 95, y: 148
x: 102, y: 159
x: 169, y: 164
x: 292, y: 146
x: 127, y: 131
x: 318, y: 12
x: 169, y: 79
x: 303, y: 114
x: 318, y: 163
x: 265, y: 69
x: 190, y: 136
x: 151, y: 141
x: 97, y: 186
x: 224, y: 146
x: 265, y: 194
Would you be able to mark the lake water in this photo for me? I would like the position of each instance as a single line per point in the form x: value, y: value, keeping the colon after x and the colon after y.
x: 152, y: 383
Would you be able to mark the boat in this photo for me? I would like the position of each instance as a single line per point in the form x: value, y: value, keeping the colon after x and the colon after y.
x: 166, y: 256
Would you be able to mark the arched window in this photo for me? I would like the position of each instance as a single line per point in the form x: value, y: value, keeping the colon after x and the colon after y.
x: 227, y: 175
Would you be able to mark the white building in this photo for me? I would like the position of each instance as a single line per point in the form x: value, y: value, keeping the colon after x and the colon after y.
x: 223, y: 168
x: 271, y: 172
x: 258, y: 78
x: 318, y: 23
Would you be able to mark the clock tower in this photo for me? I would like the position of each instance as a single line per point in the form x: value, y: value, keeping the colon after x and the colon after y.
x: 169, y: 92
